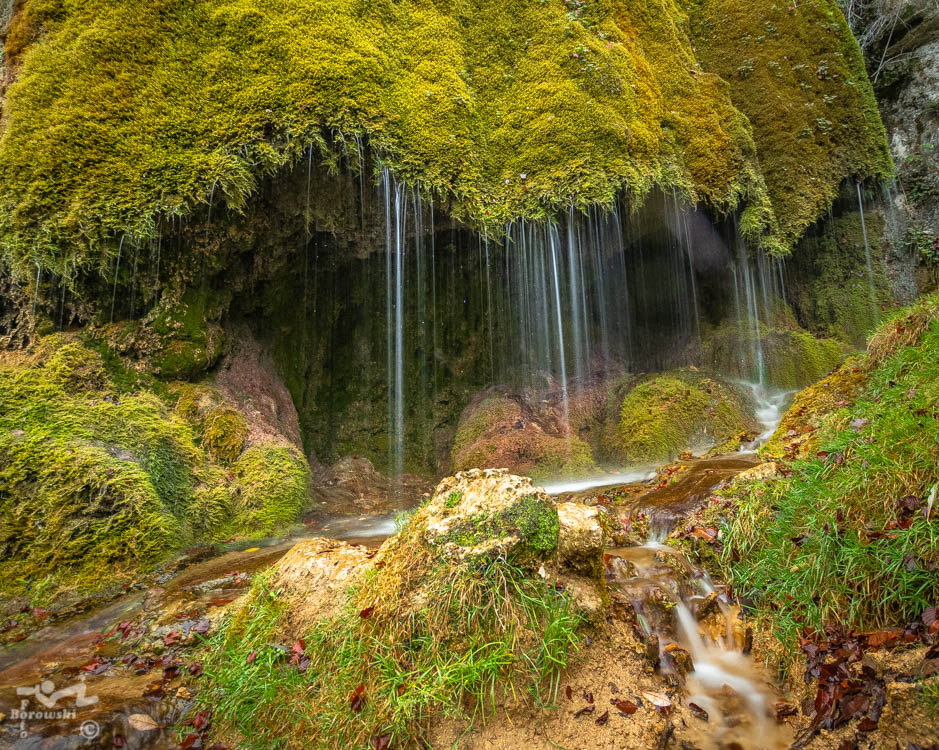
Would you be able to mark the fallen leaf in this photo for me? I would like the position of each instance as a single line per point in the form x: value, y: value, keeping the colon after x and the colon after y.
x: 142, y: 722
x: 569, y: 692
x: 603, y: 718
x: 659, y: 700
x: 195, y: 669
x: 252, y: 656
x: 357, y: 698
x: 171, y: 638
x: 585, y: 710
x: 626, y: 707
x: 192, y: 742
x: 366, y: 613
x: 381, y: 742
x: 201, y: 720
x: 867, y: 724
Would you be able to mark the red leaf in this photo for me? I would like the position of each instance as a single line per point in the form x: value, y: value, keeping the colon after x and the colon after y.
x: 299, y: 647
x: 382, y: 742
x: 603, y: 718
x: 195, y: 669
x: 931, y: 620
x: 192, y: 742
x: 357, y: 699
x: 366, y: 613
x: 569, y: 693
x: 627, y: 707
x: 201, y: 720
x: 401, y: 688
x: 252, y: 656
x: 170, y: 638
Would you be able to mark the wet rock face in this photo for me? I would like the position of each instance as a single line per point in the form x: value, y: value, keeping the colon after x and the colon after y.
x: 580, y: 536
x: 503, y: 429
x: 353, y: 485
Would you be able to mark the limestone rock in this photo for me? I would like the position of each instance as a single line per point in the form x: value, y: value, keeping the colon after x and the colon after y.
x: 758, y: 473
x: 483, y: 511
x: 314, y: 576
x: 580, y: 536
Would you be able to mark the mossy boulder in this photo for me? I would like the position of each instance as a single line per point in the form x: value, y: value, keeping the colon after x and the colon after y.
x: 668, y: 413
x: 503, y: 430
x: 225, y: 434
x: 189, y: 341
x: 98, y: 481
x: 790, y: 357
x: 484, y: 512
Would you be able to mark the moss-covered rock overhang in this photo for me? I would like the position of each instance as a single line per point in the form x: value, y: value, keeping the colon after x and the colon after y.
x: 123, y: 111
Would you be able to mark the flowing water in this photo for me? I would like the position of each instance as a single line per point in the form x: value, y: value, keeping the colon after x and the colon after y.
x: 700, y: 640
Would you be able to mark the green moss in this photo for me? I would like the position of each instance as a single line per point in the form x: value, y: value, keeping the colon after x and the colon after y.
x: 91, y: 484
x: 123, y: 112
x: 666, y: 414
x: 791, y: 357
x: 97, y: 482
x: 189, y: 342
x: 225, y: 434
x: 274, y: 487
x: 534, y: 521
x: 797, y: 73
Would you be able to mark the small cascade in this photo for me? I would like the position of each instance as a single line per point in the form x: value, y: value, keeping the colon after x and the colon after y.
x: 693, y: 632
x: 759, y: 289
x: 875, y: 311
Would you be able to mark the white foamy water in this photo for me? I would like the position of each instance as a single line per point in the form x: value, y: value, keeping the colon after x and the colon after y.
x: 771, y: 404
x: 637, y: 474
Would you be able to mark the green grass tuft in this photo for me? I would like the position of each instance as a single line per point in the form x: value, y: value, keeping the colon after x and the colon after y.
x: 833, y: 543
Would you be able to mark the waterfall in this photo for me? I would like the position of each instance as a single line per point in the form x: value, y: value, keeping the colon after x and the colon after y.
x: 549, y: 306
x: 867, y: 255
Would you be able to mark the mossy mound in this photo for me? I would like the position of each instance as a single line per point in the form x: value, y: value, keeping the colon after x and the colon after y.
x: 789, y: 357
x: 820, y: 403
x: 796, y: 72
x: 500, y: 430
x: 123, y: 112
x: 669, y: 413
x: 98, y: 481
